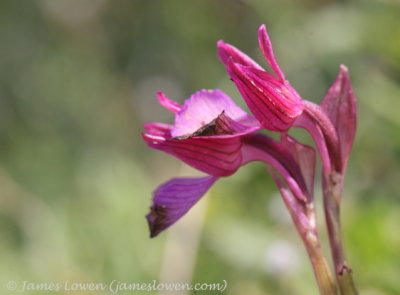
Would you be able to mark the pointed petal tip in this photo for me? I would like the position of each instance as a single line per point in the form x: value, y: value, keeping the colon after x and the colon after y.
x: 262, y: 29
x: 340, y: 105
x: 220, y: 49
x: 265, y: 44
x: 161, y: 96
x: 263, y: 36
x: 220, y: 43
x: 224, y: 51
x: 344, y: 68
x: 168, y: 103
x: 343, y: 73
x: 174, y: 199
x: 156, y: 220
x: 151, y: 223
x: 227, y: 52
x: 343, y: 79
x: 153, y: 233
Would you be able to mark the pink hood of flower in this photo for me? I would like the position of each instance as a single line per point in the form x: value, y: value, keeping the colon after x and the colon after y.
x: 270, y: 97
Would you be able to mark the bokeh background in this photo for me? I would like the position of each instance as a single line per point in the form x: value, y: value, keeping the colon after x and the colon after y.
x: 78, y: 78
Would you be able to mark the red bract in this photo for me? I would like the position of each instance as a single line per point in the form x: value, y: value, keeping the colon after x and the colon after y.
x: 332, y: 124
x: 271, y: 98
x: 340, y: 106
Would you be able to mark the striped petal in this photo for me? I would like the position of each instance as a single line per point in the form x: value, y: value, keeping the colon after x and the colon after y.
x: 173, y: 199
x: 216, y: 155
x: 274, y: 103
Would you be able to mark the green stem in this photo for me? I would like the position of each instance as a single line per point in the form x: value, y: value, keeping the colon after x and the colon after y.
x: 309, y: 235
x: 332, y: 197
x: 327, y: 142
x: 322, y: 272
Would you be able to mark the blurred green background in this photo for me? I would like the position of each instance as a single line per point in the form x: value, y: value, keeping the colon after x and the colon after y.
x: 78, y: 78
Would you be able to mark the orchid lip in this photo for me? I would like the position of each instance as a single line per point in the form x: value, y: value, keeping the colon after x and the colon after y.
x: 174, y: 198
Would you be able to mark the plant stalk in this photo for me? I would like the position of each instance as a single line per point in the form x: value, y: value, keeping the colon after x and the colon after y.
x: 322, y: 272
x: 317, y: 123
x: 332, y: 195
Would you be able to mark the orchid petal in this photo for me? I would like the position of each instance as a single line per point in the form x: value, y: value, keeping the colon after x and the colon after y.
x: 272, y: 100
x: 168, y: 103
x: 340, y: 105
x: 288, y: 101
x: 266, y: 47
x: 275, y: 104
x: 227, y: 52
x: 173, y: 199
x: 215, y: 155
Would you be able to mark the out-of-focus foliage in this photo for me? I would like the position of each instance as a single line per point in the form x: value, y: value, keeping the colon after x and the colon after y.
x: 78, y: 79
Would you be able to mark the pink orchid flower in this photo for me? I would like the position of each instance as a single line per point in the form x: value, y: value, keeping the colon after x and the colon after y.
x: 212, y: 134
